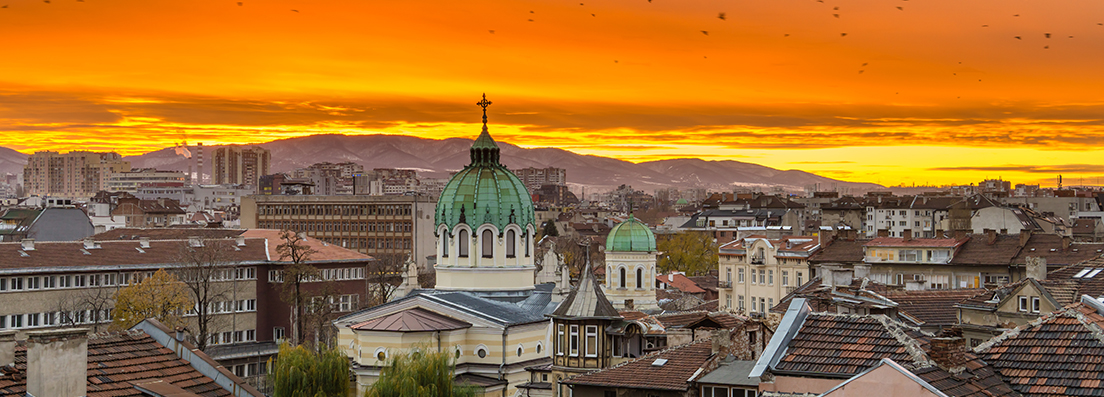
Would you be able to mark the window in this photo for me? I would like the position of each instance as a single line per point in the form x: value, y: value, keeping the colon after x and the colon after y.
x: 785, y: 278
x: 639, y: 278
x: 799, y: 279
x: 33, y: 282
x: 1023, y: 303
x: 540, y: 348
x: 464, y: 244
x: 762, y: 276
x: 622, y: 279
x: 740, y: 275
x: 3, y: 284
x: 250, y: 334
x: 488, y: 244
x: 911, y: 255
x: 511, y: 245
x: 226, y: 337
x: 481, y: 352
x: 278, y: 333
x: 574, y: 341
x: 728, y: 301
x: 770, y: 277
x: 740, y: 302
x: 708, y: 391
x: 592, y: 341
x: 49, y: 282
x: 770, y: 302
x: 444, y: 244
x: 559, y: 339
x: 16, y: 284
x: 752, y: 301
x: 519, y: 351
x: 618, y: 346
x: 1035, y: 304
x: 32, y: 319
x: 762, y: 305
x: 728, y: 275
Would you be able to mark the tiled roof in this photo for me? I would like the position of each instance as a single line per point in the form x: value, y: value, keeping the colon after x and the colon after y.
x: 116, y: 253
x: 978, y: 379
x: 1093, y: 286
x: 710, y: 306
x: 680, y: 319
x: 680, y: 282
x: 1058, y: 354
x: 708, y: 282
x: 1063, y: 292
x: 166, y: 233
x: 978, y: 251
x: 586, y: 300
x: 845, y: 345
x: 119, y: 360
x: 915, y: 242
x: 323, y: 250
x: 840, y: 251
x: 681, y: 363
x: 932, y: 307
x: 1041, y: 245
x: 412, y: 320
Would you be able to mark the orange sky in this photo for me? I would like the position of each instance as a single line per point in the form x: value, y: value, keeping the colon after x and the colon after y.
x: 941, y: 99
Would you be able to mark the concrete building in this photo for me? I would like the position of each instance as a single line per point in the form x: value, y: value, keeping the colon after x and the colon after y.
x: 534, y: 178
x: 239, y: 165
x: 199, y: 197
x: 75, y: 175
x: 374, y: 225
x: 130, y: 181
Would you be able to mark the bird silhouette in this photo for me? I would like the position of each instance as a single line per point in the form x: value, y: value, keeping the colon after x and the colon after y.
x: 705, y: 32
x: 860, y: 72
x: 1071, y: 37
x: 530, y: 20
x: 1046, y: 47
x: 615, y: 61
x: 492, y: 31
x: 836, y: 8
x: 5, y: 6
x: 984, y: 26
x: 294, y: 10
x: 843, y: 34
x: 864, y: 63
x: 835, y: 15
x: 239, y: 3
x: 786, y: 35
x: 1047, y: 35
x: 1016, y: 15
x: 901, y: 8
x: 46, y: 1
x: 593, y: 15
x: 580, y: 3
x: 721, y: 16
x: 532, y: 12
x: 1018, y: 38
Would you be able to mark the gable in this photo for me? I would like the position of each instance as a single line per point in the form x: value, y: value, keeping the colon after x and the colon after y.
x: 1029, y: 290
x: 884, y: 380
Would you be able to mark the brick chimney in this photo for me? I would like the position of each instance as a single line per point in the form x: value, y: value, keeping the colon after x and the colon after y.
x: 57, y: 362
x: 883, y: 233
x: 948, y: 350
x: 990, y: 236
x: 907, y: 234
x: 1025, y: 235
x: 7, y: 348
x: 1066, y: 240
x: 1036, y: 267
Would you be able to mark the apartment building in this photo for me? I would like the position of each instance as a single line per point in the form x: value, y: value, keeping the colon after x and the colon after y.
x: 239, y: 165
x: 756, y: 272
x: 922, y: 216
x: 534, y: 178
x: 130, y: 181
x: 374, y: 225
x: 74, y: 175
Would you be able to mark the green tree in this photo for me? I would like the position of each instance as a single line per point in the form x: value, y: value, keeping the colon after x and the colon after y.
x: 161, y: 296
x: 420, y: 373
x: 690, y: 252
x: 301, y: 372
x: 550, y: 229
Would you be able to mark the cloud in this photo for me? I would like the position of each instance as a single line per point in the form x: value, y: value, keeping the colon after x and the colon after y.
x: 1032, y: 169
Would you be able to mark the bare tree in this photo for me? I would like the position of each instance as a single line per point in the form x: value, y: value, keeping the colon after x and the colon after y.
x: 383, y: 276
x: 207, y: 271
x: 322, y: 307
x: 294, y: 275
x: 572, y: 251
x: 71, y: 309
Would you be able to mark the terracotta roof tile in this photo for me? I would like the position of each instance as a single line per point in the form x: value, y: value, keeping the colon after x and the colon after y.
x: 680, y: 282
x: 845, y: 345
x: 978, y: 379
x: 840, y: 251
x: 682, y: 362
x: 932, y: 307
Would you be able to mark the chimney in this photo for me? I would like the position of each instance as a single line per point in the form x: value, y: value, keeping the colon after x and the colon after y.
x: 948, y: 350
x: 7, y: 348
x: 144, y: 242
x: 959, y: 234
x: 907, y: 234
x: 89, y: 243
x: 722, y: 340
x: 1036, y: 268
x: 195, y: 241
x: 57, y: 362
x: 990, y: 236
x: 27, y: 244
x: 1066, y: 240
x: 180, y: 334
x: 883, y: 233
x: 1025, y: 235
x: 862, y: 270
x: 240, y: 241
x: 825, y: 274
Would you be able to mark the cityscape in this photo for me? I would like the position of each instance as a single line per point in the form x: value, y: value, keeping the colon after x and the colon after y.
x: 540, y: 198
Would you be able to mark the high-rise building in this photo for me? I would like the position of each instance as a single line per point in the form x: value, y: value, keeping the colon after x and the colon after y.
x: 239, y: 165
x: 534, y: 178
x: 131, y: 181
x: 74, y: 175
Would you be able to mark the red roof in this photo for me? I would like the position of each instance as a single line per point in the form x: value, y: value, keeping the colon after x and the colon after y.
x: 680, y: 282
x: 916, y: 242
x: 678, y: 365
x: 412, y: 320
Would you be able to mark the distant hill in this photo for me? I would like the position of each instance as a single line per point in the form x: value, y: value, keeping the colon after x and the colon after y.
x: 11, y: 161
x: 436, y: 158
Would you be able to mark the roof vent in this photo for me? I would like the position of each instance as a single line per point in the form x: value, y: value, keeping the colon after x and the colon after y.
x: 659, y: 362
x: 240, y: 240
x: 144, y: 242
x: 90, y: 244
x: 195, y: 241
x: 27, y: 244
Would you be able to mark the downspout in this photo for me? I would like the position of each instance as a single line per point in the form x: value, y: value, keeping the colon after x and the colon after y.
x: 438, y: 340
x: 502, y: 367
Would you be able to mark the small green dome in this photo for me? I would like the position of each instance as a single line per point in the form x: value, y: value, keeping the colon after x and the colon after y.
x: 485, y: 191
x: 631, y: 235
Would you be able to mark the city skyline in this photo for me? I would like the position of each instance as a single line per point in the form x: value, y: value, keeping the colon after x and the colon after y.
x: 946, y: 95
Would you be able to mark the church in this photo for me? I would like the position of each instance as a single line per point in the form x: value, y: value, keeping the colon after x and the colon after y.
x: 486, y: 308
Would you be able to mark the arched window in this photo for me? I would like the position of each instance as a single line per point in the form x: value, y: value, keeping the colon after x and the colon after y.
x: 639, y: 278
x: 464, y: 243
x: 444, y: 244
x: 511, y: 245
x: 488, y: 244
x: 622, y: 277
x: 526, y: 242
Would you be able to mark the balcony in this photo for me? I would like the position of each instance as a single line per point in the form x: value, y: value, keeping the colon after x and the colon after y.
x: 724, y: 284
x: 756, y: 260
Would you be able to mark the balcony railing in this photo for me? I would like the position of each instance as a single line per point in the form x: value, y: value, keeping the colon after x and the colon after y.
x: 756, y: 260
x: 724, y: 284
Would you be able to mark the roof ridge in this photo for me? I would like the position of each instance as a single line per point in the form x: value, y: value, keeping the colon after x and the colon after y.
x: 1016, y: 331
x: 912, y: 346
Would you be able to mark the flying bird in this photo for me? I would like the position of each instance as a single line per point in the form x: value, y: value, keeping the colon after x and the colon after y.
x: 984, y: 26
x: 492, y: 31
x: 1046, y: 47
x: 705, y: 32
x: 530, y: 20
x: 593, y: 15
x: 615, y: 61
x: 294, y: 10
x: 532, y: 12
x: 1047, y: 35
x: 901, y: 8
x: 843, y: 34
x: 5, y: 6
x: 239, y: 3
x: 721, y: 16
x: 1016, y: 15
x: 1018, y: 38
x: 46, y: 1
x: 835, y: 15
x: 864, y: 63
x: 836, y: 8
x: 786, y: 35
x: 860, y: 72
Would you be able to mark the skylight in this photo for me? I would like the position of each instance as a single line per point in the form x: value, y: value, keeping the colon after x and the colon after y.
x: 1094, y: 272
x: 659, y: 362
x: 1082, y: 272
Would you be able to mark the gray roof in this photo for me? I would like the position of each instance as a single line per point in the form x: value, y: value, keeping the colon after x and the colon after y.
x: 586, y: 301
x: 496, y: 311
x: 733, y: 373
x: 61, y: 224
x: 757, y: 213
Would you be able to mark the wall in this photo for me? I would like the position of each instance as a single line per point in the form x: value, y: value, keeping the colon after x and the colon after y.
x: 884, y: 381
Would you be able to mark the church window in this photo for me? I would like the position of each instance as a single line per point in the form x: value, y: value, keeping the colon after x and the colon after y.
x: 519, y: 351
x: 488, y: 244
x: 511, y: 244
x: 444, y: 244
x: 592, y: 341
x: 525, y: 241
x: 559, y: 339
x: 639, y: 278
x: 458, y: 352
x: 574, y: 341
x: 622, y: 273
x: 464, y: 243
x: 539, y: 348
x: 482, y: 353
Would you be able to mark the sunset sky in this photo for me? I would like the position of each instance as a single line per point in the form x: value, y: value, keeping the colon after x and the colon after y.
x: 937, y: 92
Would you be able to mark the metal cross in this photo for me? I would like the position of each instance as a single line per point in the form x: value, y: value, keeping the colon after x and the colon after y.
x: 484, y: 103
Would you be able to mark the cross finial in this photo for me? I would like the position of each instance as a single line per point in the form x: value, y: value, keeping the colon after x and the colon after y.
x: 484, y: 103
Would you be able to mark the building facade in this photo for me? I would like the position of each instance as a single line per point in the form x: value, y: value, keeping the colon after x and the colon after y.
x: 631, y: 266
x: 130, y: 181
x: 75, y: 174
x: 534, y: 178
x: 239, y: 165
x: 757, y: 272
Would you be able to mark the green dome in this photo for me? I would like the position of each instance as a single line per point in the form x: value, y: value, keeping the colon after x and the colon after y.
x: 485, y: 191
x: 631, y: 235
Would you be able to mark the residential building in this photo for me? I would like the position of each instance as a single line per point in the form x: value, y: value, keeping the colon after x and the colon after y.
x: 75, y: 175
x: 239, y: 165
x: 581, y: 342
x: 534, y: 178
x: 199, y: 197
x: 146, y: 360
x: 756, y: 272
x: 667, y: 373
x: 130, y: 181
x: 1068, y: 207
x: 1089, y: 230
x: 921, y: 216
x: 374, y: 225
x: 149, y: 213
x: 631, y: 266
x: 58, y: 223
x: 729, y: 217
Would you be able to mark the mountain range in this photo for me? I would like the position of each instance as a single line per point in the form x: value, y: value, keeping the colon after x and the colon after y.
x: 437, y: 158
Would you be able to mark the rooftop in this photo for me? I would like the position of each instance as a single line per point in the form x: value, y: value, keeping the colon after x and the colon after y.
x: 670, y: 369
